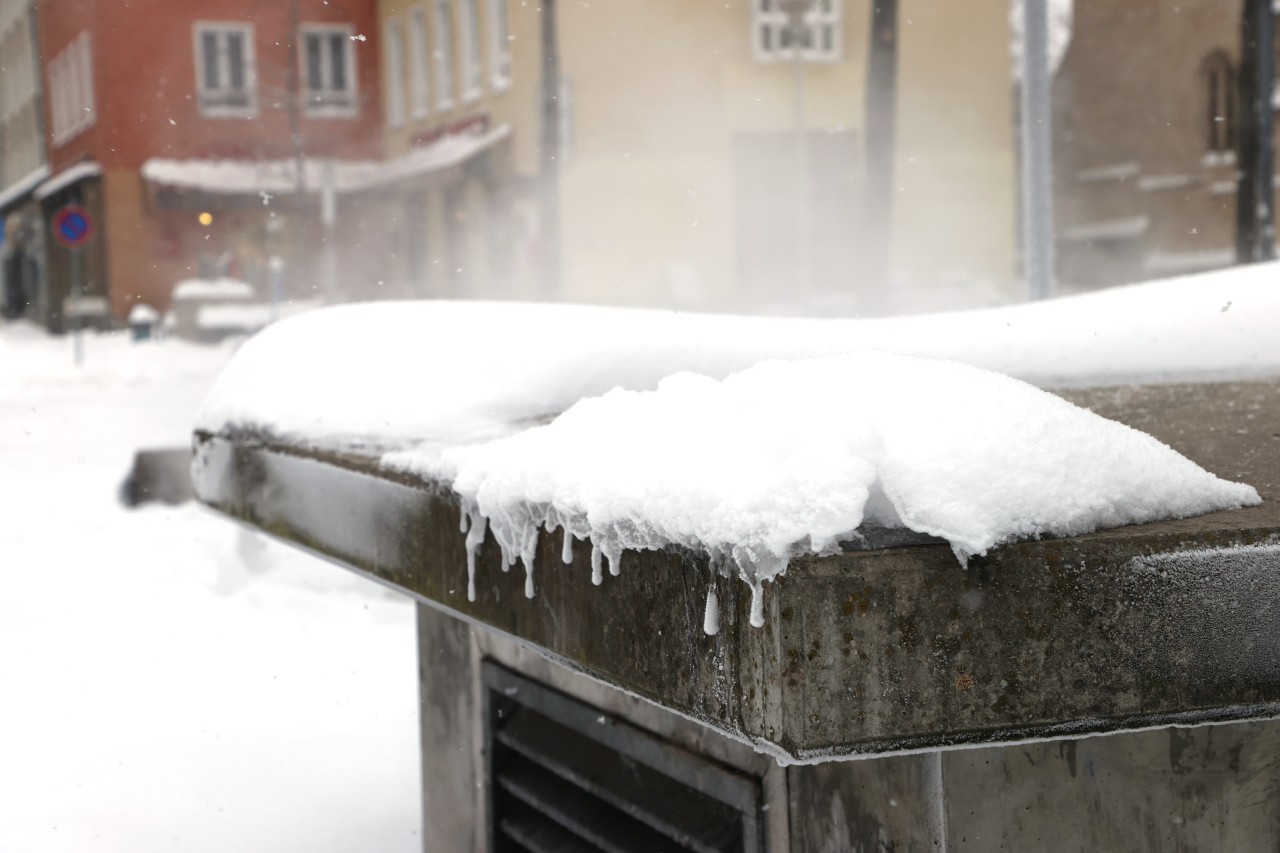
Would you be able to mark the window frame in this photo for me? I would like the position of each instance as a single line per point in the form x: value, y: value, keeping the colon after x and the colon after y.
x: 472, y: 53
x: 394, y: 70
x: 72, y: 108
x: 444, y: 55
x: 331, y: 106
x: 419, y: 62
x: 500, y: 61
x: 250, y: 69
x: 766, y: 16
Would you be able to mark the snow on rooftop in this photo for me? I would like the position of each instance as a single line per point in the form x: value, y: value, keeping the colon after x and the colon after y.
x: 67, y: 177
x: 456, y: 391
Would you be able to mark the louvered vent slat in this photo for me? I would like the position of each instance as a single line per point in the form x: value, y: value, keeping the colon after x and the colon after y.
x: 564, y: 777
x: 536, y: 834
x: 585, y: 816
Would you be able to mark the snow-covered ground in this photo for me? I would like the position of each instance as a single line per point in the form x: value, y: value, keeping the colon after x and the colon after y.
x: 168, y: 680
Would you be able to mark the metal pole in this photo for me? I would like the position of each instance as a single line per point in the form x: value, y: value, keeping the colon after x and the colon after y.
x: 328, y: 219
x: 880, y: 120
x: 1037, y: 156
x: 799, y: 35
x: 296, y: 250
x: 77, y: 287
x: 549, y: 162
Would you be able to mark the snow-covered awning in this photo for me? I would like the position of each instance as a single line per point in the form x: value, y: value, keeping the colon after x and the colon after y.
x: 67, y: 177
x: 280, y: 177
x: 22, y: 187
x: 444, y: 153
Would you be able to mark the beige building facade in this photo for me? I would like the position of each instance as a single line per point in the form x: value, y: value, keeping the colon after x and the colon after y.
x: 706, y: 156
x: 712, y: 167
x: 22, y: 159
x: 461, y: 83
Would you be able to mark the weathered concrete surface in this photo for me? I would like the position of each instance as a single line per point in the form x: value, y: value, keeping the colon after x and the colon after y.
x: 450, y: 652
x: 872, y: 651
x: 451, y: 722
x: 1205, y: 789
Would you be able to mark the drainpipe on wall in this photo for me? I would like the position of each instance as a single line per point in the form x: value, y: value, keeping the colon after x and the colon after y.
x: 1255, y: 196
x: 41, y: 254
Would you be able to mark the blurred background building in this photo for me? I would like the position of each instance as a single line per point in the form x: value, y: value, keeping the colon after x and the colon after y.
x: 1147, y: 125
x: 23, y: 164
x: 776, y: 155
x: 196, y: 135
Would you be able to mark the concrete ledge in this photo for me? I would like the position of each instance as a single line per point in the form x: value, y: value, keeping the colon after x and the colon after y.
x: 866, y: 652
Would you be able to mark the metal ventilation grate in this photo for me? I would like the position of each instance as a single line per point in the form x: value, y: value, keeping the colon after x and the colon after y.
x: 564, y: 776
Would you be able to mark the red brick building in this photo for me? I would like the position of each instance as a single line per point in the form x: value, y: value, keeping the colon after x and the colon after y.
x: 181, y: 125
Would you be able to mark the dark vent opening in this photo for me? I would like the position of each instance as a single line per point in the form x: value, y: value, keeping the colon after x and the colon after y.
x: 564, y: 776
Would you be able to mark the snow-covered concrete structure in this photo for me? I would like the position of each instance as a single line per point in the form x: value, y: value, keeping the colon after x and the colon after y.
x: 613, y: 705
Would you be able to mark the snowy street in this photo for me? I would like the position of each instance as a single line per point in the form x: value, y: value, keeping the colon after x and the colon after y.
x: 171, y: 681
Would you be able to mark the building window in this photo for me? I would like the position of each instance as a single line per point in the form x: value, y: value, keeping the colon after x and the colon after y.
x: 472, y: 70
x: 395, y: 72
x: 500, y: 44
x: 419, y: 82
x: 328, y: 60
x: 71, y: 103
x: 444, y: 54
x: 225, y: 69
x: 1220, y: 104
x: 791, y: 29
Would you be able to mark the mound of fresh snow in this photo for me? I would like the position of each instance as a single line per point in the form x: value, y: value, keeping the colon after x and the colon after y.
x: 789, y: 458
x: 393, y: 374
x: 756, y: 462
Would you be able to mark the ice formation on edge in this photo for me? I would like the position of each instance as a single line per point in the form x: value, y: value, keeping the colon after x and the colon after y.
x: 780, y: 460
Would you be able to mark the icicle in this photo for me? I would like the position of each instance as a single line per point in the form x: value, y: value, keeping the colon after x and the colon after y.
x: 711, y: 617
x: 527, y: 559
x: 475, y: 537
x: 757, y: 603
x: 566, y: 549
x: 464, y: 516
x: 614, y: 555
x: 597, y: 576
x: 508, y: 557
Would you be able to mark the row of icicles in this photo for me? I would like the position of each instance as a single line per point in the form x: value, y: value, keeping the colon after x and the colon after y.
x: 518, y: 541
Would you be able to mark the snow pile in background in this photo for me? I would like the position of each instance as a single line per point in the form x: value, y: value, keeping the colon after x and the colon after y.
x: 208, y: 289
x: 397, y: 374
x: 790, y: 458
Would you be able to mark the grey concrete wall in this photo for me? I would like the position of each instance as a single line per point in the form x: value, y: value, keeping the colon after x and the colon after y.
x: 1210, y: 788
x: 1213, y: 788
